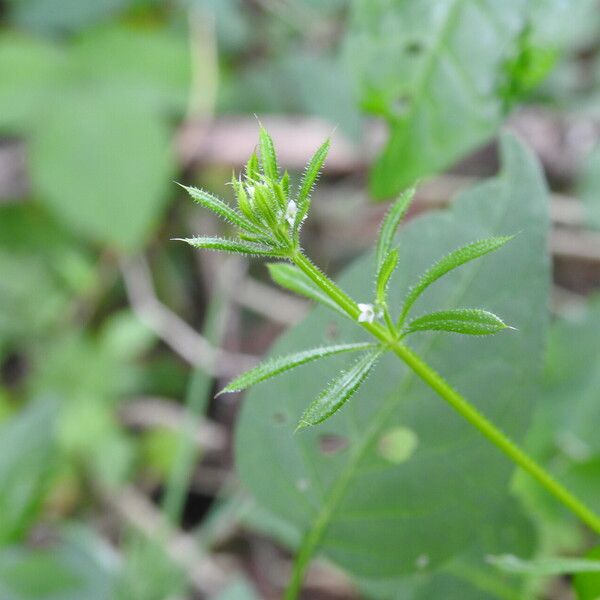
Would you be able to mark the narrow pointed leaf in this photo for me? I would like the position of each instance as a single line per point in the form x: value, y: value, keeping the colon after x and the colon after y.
x: 292, y: 278
x: 268, y: 158
x: 243, y: 201
x: 285, y: 184
x: 280, y: 195
x: 252, y: 172
x: 390, y: 224
x: 226, y: 245
x: 451, y: 261
x: 384, y: 274
x: 275, y: 366
x: 309, y: 179
x: 219, y: 207
x: 339, y: 391
x: 265, y: 205
x: 469, y: 321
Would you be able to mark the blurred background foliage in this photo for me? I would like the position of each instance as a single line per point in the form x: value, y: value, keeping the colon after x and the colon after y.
x: 116, y: 475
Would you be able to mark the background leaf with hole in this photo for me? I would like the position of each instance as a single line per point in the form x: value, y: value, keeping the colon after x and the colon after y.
x: 376, y: 516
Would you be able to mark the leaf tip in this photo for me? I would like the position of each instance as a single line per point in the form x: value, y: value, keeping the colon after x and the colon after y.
x: 302, y: 424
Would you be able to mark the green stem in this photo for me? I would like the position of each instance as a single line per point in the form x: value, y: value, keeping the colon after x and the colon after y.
x: 454, y: 399
x: 329, y: 287
x: 496, y: 436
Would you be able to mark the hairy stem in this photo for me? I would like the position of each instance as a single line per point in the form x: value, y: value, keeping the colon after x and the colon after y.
x: 453, y: 398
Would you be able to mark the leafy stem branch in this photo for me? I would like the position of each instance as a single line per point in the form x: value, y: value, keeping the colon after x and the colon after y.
x: 268, y: 220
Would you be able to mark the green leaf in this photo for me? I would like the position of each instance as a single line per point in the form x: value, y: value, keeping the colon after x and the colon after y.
x: 384, y: 274
x: 339, y: 391
x: 77, y: 565
x: 469, y: 576
x: 451, y: 261
x: 285, y: 183
x: 103, y: 167
x: 221, y: 208
x: 275, y: 366
x: 30, y: 71
x: 225, y: 245
x: 470, y: 321
x: 372, y: 517
x: 389, y: 225
x: 437, y: 73
x: 268, y: 157
x: 543, y: 567
x: 27, y: 446
x: 252, y: 171
x: 292, y: 278
x: 587, y: 585
x: 311, y: 174
x: 153, y: 71
x: 564, y: 431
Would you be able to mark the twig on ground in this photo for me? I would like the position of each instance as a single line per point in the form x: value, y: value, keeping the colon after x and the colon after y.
x: 173, y: 330
x: 149, y: 412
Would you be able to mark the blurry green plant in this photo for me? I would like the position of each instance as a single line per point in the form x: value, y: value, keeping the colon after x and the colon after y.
x: 413, y: 66
x: 268, y: 223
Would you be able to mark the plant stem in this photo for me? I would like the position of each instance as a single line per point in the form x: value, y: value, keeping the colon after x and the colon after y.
x: 452, y: 397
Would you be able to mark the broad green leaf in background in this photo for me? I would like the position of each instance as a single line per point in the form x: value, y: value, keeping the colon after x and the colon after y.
x: 414, y: 65
x: 30, y: 71
x: 469, y: 576
x: 26, y: 454
x: 376, y: 517
x: 98, y: 115
x: 149, y: 67
x: 103, y: 167
x: 564, y: 431
x: 78, y: 566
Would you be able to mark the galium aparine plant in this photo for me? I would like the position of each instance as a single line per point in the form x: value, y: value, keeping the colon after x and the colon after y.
x: 268, y: 221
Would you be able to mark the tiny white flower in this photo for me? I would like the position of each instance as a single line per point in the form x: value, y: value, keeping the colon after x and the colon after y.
x: 367, y: 313
x: 291, y: 212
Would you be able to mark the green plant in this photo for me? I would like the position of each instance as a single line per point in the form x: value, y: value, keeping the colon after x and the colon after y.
x: 269, y: 221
